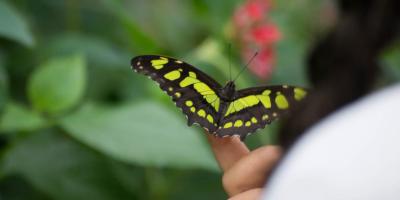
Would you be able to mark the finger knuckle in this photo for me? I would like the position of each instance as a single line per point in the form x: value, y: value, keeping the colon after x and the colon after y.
x: 231, y: 185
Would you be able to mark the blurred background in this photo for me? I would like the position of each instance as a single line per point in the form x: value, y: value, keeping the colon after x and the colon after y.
x: 77, y: 123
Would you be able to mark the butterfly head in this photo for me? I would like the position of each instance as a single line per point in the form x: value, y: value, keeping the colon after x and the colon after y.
x: 228, y: 91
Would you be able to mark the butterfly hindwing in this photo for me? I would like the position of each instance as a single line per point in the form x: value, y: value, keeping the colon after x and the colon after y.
x: 254, y: 108
x: 191, y: 90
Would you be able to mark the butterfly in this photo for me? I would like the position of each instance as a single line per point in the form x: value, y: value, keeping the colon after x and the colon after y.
x: 220, y: 110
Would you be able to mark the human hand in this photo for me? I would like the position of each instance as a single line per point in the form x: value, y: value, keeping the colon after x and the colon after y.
x: 245, y: 172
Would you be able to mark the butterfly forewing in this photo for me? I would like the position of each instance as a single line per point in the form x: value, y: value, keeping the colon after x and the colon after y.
x: 254, y: 108
x: 191, y: 90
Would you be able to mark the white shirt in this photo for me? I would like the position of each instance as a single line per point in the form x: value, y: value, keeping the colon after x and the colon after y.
x: 353, y: 154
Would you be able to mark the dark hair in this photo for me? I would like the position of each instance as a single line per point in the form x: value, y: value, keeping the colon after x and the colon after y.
x: 343, y: 66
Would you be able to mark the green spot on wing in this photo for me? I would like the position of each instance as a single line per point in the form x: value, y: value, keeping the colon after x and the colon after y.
x: 281, y: 101
x: 299, y: 94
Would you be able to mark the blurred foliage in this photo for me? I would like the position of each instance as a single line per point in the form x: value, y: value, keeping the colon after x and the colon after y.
x: 13, y: 26
x: 77, y: 123
x: 51, y: 93
x: 93, y: 125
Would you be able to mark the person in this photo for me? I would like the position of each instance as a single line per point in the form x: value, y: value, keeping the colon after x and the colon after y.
x: 338, y: 144
x: 353, y: 154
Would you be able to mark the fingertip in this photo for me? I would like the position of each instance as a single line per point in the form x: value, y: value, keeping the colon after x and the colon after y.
x: 268, y: 153
x: 215, y: 140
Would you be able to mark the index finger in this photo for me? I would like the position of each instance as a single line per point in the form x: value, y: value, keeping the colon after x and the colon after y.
x: 227, y: 151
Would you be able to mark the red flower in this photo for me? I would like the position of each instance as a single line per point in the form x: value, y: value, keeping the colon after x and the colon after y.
x: 255, y: 32
x: 251, y: 11
x: 266, y: 34
x: 255, y: 10
x: 262, y: 64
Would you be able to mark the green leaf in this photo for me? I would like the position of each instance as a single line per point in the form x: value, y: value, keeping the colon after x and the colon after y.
x: 291, y: 67
x: 199, y: 184
x: 62, y: 169
x: 145, y: 134
x: 218, y: 13
x: 390, y: 63
x: 137, y: 38
x: 98, y: 52
x: 13, y: 26
x: 18, y: 118
x: 3, y: 86
x: 58, y: 85
x: 16, y: 188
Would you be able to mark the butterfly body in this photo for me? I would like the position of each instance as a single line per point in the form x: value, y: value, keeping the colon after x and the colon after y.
x: 222, y: 111
x: 226, y: 94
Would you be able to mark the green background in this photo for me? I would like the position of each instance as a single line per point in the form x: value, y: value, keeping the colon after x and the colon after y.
x: 77, y: 123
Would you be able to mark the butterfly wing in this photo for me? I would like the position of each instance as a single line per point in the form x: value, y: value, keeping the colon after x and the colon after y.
x: 254, y: 108
x: 192, y: 90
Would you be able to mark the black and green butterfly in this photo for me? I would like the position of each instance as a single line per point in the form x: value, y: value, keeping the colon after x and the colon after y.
x: 221, y: 111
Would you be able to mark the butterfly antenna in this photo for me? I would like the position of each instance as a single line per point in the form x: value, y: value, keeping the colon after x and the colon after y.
x: 246, y: 66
